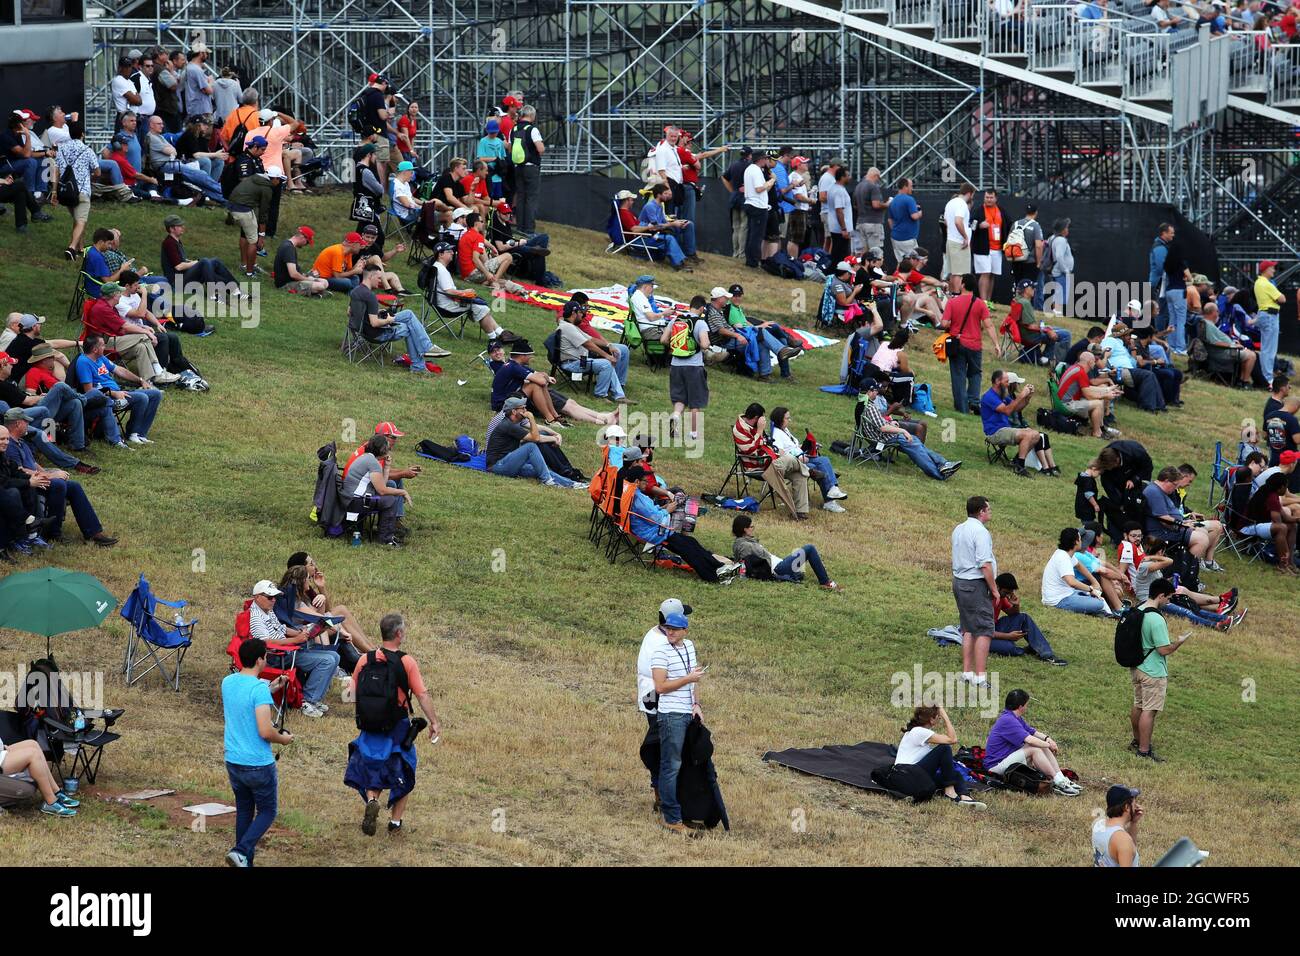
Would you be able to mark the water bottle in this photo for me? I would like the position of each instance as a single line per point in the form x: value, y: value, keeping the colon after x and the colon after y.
x: 79, y: 722
x: 180, y: 621
x: 356, y: 539
x: 1175, y: 581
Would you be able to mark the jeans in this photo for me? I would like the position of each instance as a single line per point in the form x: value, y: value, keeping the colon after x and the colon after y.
x: 316, y: 664
x: 1081, y: 603
x: 685, y: 236
x: 737, y: 231
x: 406, y: 325
x: 256, y: 801
x: 526, y: 462
x: 1063, y: 341
x: 1176, y: 300
x: 61, y: 493
x: 607, y: 383
x: 791, y: 567
x: 826, y: 479
x: 700, y: 558
x: 1063, y: 292
x: 1038, y: 299
x: 652, y: 734
x: 1199, y: 616
x: 768, y: 345
x: 1033, y: 635
x: 110, y: 173
x: 13, y: 516
x: 1146, y: 388
x: 196, y: 177
x: 28, y: 170
x: 672, y: 737
x: 528, y: 190
x: 928, y: 461
x: 938, y: 763
x: 687, y: 210
x: 965, y: 366
x: 340, y: 284
x: 1170, y: 379
x: 755, y: 227
x: 210, y: 166
x: 671, y: 248
x: 1267, y: 324
x: 62, y: 405
x: 144, y: 406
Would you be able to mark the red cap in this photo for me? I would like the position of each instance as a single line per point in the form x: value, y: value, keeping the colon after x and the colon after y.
x: 373, y: 77
x: 504, y: 208
x: 354, y: 238
x: 8, y: 359
x: 309, y: 233
x: 389, y: 429
x: 1288, y: 457
x: 1267, y: 264
x: 509, y: 101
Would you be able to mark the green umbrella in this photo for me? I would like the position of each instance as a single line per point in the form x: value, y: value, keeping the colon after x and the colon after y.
x: 51, y: 601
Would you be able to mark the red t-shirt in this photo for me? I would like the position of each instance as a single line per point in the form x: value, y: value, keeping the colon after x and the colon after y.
x: 506, y: 123
x: 409, y: 127
x: 1072, y: 383
x: 39, y: 379
x: 965, y: 315
x: 129, y: 172
x: 470, y: 243
x: 474, y: 186
x: 690, y: 165
x: 910, y: 281
x: 628, y: 218
x: 103, y: 319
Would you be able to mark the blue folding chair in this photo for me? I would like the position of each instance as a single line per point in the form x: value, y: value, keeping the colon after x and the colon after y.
x: 154, y: 640
x: 1219, y: 473
x: 631, y: 243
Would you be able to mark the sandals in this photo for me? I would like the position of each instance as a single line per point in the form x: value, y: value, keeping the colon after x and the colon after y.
x: 967, y: 801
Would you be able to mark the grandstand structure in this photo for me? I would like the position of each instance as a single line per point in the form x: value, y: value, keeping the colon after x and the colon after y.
x: 1039, y: 103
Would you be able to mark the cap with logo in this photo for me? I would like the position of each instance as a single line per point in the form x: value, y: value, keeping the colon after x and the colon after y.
x: 509, y: 101
x: 7, y: 359
x: 736, y: 289
x: 1288, y: 457
x: 265, y: 587
x: 389, y: 429
x: 258, y: 141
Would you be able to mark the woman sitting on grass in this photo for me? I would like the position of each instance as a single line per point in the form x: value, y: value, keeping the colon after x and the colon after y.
x: 932, y: 752
x: 761, y: 564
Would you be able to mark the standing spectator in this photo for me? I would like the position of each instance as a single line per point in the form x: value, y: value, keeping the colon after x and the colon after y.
x: 666, y: 163
x: 957, y: 251
x: 316, y: 660
x: 781, y: 206
x: 758, y: 183
x: 122, y: 90
x: 250, y: 764
x: 226, y: 91
x: 1114, y: 836
x: 166, y: 90
x: 824, y: 184
x: 986, y: 243
x: 142, y: 78
x: 687, y: 339
x: 733, y: 180
x: 408, y: 127
x: 198, y: 88
x: 1269, y: 302
x: 492, y: 150
x: 839, y: 217
x: 527, y: 148
x: 1156, y: 273
x: 965, y: 316
x: 1058, y: 265
x: 1177, y: 277
x: 1027, y: 268
x: 796, y: 223
x: 974, y: 586
x: 647, y: 700
x: 76, y: 161
x: 869, y: 213
x: 374, y: 119
x: 385, y: 759
x: 676, y: 674
x: 1151, y: 677
x: 691, y: 188
x: 904, y: 221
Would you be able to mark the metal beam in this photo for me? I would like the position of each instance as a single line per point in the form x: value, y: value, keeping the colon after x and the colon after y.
x: 1262, y: 109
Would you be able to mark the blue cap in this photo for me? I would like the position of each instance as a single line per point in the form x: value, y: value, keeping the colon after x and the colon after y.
x: 677, y: 620
x: 642, y: 280
x: 258, y: 141
x: 493, y: 126
x: 122, y: 138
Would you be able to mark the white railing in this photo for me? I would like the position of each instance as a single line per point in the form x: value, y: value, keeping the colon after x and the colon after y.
x: 960, y: 20
x: 1004, y: 32
x: 866, y: 6
x: 1097, y: 52
x: 1248, y: 63
x: 912, y: 13
x: 1147, y: 65
x: 1051, y: 37
x: 1284, y: 89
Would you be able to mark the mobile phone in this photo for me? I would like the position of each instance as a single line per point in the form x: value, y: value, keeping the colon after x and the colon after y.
x: 704, y: 669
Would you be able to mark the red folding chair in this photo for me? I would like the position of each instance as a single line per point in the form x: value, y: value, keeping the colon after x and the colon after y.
x: 281, y: 659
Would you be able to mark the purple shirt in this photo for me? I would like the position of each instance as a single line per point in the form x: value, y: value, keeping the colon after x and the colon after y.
x: 1006, y: 736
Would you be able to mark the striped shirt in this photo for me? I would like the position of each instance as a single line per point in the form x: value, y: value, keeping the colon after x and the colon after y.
x: 677, y: 660
x: 264, y: 624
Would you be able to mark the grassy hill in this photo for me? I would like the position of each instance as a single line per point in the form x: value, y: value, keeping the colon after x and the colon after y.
x: 531, y: 663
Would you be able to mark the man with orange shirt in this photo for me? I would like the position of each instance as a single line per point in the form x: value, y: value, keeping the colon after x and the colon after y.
x: 986, y: 243
x: 341, y: 266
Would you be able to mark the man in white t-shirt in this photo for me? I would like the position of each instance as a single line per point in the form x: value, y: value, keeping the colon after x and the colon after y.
x: 824, y: 185
x: 650, y: 316
x: 646, y: 698
x: 676, y: 674
x: 957, y: 254
x: 668, y: 164
x: 126, y: 98
x: 758, y: 181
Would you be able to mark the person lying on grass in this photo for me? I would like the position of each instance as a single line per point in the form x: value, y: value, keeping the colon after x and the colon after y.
x: 1208, y: 610
x: 762, y: 564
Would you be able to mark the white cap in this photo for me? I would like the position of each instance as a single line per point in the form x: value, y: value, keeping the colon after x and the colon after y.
x: 266, y: 115
x: 1134, y: 305
x: 275, y: 172
x: 719, y: 293
x: 615, y: 431
x: 265, y: 587
x: 461, y: 212
x: 844, y: 266
x: 1015, y: 379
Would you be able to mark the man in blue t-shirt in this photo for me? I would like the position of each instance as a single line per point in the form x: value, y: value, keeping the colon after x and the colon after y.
x: 669, y: 233
x: 96, y: 373
x: 96, y: 266
x: 1167, y: 520
x: 904, y: 220
x: 250, y: 765
x: 996, y: 408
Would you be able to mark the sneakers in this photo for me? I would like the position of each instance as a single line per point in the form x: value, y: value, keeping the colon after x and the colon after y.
x: 236, y: 859
x: 121, y: 446
x: 950, y: 469
x: 579, y: 485
x: 394, y: 826
x: 371, y: 817
x: 437, y: 352
x: 67, y: 800
x: 1054, y: 661
x: 1240, y: 617
x: 1149, y: 755
x: 341, y: 675
x: 787, y: 353
x: 969, y: 803
x: 36, y: 541
x: 1228, y: 601
x: 57, y: 809
x: 166, y: 378
x: 135, y: 439
x: 1020, y: 471
x: 835, y: 494
x: 1111, y: 432
x: 831, y: 586
x: 1066, y: 789
x: 1212, y: 566
x: 834, y: 506
x: 311, y: 710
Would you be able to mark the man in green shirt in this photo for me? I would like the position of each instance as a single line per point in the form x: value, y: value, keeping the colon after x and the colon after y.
x: 1226, y: 355
x: 1152, y: 675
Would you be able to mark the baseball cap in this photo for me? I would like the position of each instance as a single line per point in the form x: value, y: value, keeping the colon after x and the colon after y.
x: 1267, y: 264
x: 736, y: 289
x: 1086, y: 537
x: 513, y: 402
x: 199, y: 47
x: 266, y: 115
x: 1119, y: 794
x: 676, y: 620
x: 362, y: 151
x: 643, y: 279
x: 503, y: 209
x: 258, y: 141
x: 624, y: 194
x: 875, y: 252
x: 406, y: 166
x: 1015, y: 379
x: 1025, y: 283
x: 122, y: 138
x: 441, y: 247
x: 389, y: 429
x: 521, y: 347
x: 309, y: 233
x: 492, y: 126
x: 870, y: 384
x: 265, y: 587
x: 376, y: 77
x: 509, y: 101
x: 29, y: 321
x: 615, y: 431
x: 1031, y: 207
x: 1200, y: 279
x: 461, y: 212
x: 172, y: 221
x: 631, y: 455
x: 16, y: 415
x: 643, y: 440
x: 110, y: 288
x: 844, y: 266
x: 124, y: 61
x: 1134, y: 305
x: 353, y: 237
x: 135, y: 54
x: 674, y: 606
x: 275, y: 172
x: 8, y: 359
x: 718, y: 292
x: 798, y: 159
x: 369, y: 229
x: 1288, y: 457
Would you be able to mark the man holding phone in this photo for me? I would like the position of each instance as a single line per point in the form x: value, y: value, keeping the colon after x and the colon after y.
x: 647, y: 700
x: 1151, y: 677
x: 675, y: 672
x: 250, y: 764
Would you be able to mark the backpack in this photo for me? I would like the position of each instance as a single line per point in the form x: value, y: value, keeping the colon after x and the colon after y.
x: 377, y: 708
x: 236, y: 145
x: 1128, y: 637
x: 1049, y: 259
x: 354, y: 119
x: 1026, y: 779
x: 1053, y: 420
x: 782, y: 266
x: 1013, y: 249
x: 681, y: 338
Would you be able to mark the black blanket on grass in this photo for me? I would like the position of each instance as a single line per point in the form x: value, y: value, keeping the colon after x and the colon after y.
x: 844, y: 763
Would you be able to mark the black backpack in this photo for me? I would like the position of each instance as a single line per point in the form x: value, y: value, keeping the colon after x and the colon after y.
x: 377, y: 707
x: 1128, y: 637
x: 354, y: 119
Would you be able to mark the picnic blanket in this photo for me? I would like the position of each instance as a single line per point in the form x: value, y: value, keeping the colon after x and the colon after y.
x: 846, y: 763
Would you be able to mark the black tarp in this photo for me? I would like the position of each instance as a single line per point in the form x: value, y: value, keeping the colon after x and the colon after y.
x: 844, y: 763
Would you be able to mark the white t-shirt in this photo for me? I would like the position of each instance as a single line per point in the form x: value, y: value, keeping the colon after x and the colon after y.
x: 839, y: 198
x: 402, y: 191
x: 645, y: 683
x: 824, y: 186
x: 445, y: 284
x: 956, y: 211
x: 56, y: 136
x: 786, y: 443
x: 645, y: 315
x: 1055, y: 590
x: 677, y: 661
x: 667, y: 162
x: 798, y: 185
x: 120, y: 86
x: 126, y: 303
x: 147, y: 104
x: 755, y: 177
x: 914, y: 746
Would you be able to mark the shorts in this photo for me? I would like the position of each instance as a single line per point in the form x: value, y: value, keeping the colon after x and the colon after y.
x: 1223, y: 359
x: 774, y: 220
x: 81, y: 211
x: 493, y: 265
x: 247, y: 222
x: 2, y: 756
x: 903, y: 247
x: 1080, y: 408
x: 796, y: 226
x: 989, y: 265
x: 974, y: 606
x: 1262, y: 530
x: 958, y: 258
x: 1148, y: 691
x: 1005, y: 436
x: 1020, y: 756
x: 298, y: 285
x: 558, y: 399
x: 688, y: 385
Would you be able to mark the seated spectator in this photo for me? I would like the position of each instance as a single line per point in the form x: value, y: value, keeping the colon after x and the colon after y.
x: 932, y: 752
x: 996, y: 410
x: 1063, y: 588
x: 453, y: 302
x: 841, y: 294
x: 162, y: 159
x: 31, y: 328
x: 876, y: 429
x: 752, y: 346
x: 51, y: 491
x: 1170, y: 523
x: 53, y: 400
x: 1050, y: 343
x: 338, y: 265
x: 404, y: 205
x: 581, y: 353
x: 650, y: 317
x: 366, y: 487
x: 378, y: 325
x: 396, y: 476
x: 1092, y: 339
x: 808, y: 452
x: 892, y: 358
x: 1270, y: 520
x: 134, y: 343
x: 781, y: 343
x: 676, y: 237
x: 449, y: 189
x: 315, y: 661
x: 1142, y: 384
x: 651, y: 523
x: 138, y: 185
x: 294, y: 609
x: 1084, y: 400
x: 209, y: 276
x: 315, y: 593
x: 1011, y: 741
x: 918, y: 292
x: 27, y: 756
x: 1114, y: 836
x: 1152, y: 356
x: 194, y: 147
x: 784, y: 473
x: 1011, y: 624
x: 893, y: 411
x: 1226, y: 356
x: 1205, y: 609
x: 286, y: 273
x: 1092, y: 562
x: 760, y: 563
x: 96, y: 373
x: 516, y: 376
x: 512, y: 447
x: 620, y: 352
x: 481, y: 261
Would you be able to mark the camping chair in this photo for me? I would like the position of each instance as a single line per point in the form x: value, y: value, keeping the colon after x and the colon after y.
x: 584, y: 376
x: 603, y: 486
x: 882, y: 454
x: 1010, y: 330
x: 619, y: 241
x: 743, y: 471
x: 1221, y: 477
x: 358, y: 349
x: 62, y: 728
x: 452, y: 322
x: 394, y: 224
x: 77, y: 307
x: 92, y: 427
x: 154, y: 640
x: 621, y: 539
x: 995, y: 453
x: 656, y: 353
x: 1232, y: 512
x: 281, y: 659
